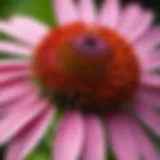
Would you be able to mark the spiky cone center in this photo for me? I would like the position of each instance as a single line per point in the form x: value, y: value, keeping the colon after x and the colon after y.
x: 93, y: 67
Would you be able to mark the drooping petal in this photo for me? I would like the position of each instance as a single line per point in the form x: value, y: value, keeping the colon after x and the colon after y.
x: 24, y: 29
x: 11, y: 78
x: 34, y: 30
x: 150, y: 80
x: 7, y: 107
x: 142, y: 25
x: 150, y: 97
x: 15, y: 49
x: 147, y: 42
x: 121, y: 138
x: 109, y: 13
x: 69, y: 137
x: 148, y: 115
x: 152, y: 61
x: 20, y: 115
x: 13, y: 65
x: 87, y: 11
x: 125, y: 21
x: 66, y: 11
x: 28, y: 138
x: 94, y: 142
x: 144, y: 144
x: 12, y: 92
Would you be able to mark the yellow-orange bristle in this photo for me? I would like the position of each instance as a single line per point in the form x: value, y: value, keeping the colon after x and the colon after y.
x: 103, y: 80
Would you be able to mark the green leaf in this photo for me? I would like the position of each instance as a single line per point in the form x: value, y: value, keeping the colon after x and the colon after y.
x: 39, y: 9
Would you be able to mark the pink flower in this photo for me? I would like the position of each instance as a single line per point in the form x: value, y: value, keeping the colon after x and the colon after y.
x: 104, y: 60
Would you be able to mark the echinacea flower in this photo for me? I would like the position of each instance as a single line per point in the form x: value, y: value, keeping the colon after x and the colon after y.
x: 98, y: 66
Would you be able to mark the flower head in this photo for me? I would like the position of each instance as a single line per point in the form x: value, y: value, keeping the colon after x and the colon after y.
x: 101, y: 63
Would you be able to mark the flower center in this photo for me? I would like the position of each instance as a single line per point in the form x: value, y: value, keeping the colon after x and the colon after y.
x: 92, y: 68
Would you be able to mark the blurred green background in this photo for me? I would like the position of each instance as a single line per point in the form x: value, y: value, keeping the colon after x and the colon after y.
x: 42, y: 10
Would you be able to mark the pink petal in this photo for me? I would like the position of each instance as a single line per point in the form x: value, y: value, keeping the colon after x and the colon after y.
x: 122, y: 140
x: 151, y: 79
x: 12, y: 92
x: 109, y: 13
x: 24, y: 28
x: 13, y: 65
x: 13, y: 77
x: 151, y: 98
x: 66, y: 11
x: 145, y: 145
x: 142, y: 25
x: 147, y: 43
x: 148, y: 116
x: 29, y: 137
x: 126, y: 22
x: 19, y: 101
x: 69, y: 137
x: 87, y: 11
x: 19, y: 116
x: 94, y: 143
x: 152, y: 61
x: 7, y: 111
x: 33, y: 30
x: 14, y: 48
